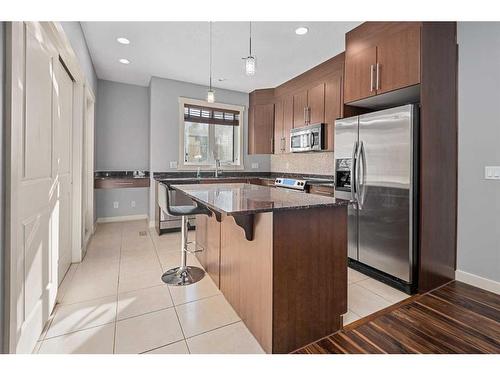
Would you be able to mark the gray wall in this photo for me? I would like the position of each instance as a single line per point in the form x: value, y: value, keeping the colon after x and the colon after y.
x: 164, y: 123
x: 122, y: 143
x: 2, y: 178
x: 164, y: 118
x: 74, y: 32
x: 478, y: 244
x: 122, y: 127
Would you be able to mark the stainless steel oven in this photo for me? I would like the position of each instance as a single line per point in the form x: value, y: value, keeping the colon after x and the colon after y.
x: 307, y: 138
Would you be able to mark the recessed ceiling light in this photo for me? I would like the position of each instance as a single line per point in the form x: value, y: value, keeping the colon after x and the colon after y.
x: 124, y: 61
x: 301, y: 30
x: 122, y: 40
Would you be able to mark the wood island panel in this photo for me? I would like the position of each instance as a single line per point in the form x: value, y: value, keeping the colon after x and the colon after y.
x: 309, y: 275
x: 208, y: 239
x: 246, y: 275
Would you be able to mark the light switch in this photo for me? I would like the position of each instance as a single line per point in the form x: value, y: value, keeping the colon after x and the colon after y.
x: 115, y: 204
x: 492, y: 173
x: 173, y: 165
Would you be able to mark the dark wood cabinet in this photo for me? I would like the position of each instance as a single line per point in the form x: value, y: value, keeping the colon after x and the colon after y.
x: 300, y: 109
x: 283, y: 123
x: 315, y: 96
x: 381, y: 57
x: 333, y: 107
x: 360, y: 74
x: 208, y: 241
x: 309, y: 106
x: 398, y: 59
x: 287, y: 121
x: 279, y: 144
x: 316, y: 104
x: 261, y: 122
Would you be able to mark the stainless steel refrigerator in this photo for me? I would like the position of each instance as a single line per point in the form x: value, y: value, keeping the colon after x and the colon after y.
x: 376, y: 165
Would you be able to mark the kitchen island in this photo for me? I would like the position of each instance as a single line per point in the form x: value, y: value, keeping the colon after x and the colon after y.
x: 279, y: 257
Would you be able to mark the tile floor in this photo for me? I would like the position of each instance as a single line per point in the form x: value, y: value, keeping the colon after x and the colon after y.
x: 366, y: 296
x: 115, y: 302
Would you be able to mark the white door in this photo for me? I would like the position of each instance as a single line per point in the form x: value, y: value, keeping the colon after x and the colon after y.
x: 63, y: 120
x: 33, y: 287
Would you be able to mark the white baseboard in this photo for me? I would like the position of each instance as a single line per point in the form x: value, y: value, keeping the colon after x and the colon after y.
x: 152, y: 224
x: 113, y: 219
x: 478, y: 281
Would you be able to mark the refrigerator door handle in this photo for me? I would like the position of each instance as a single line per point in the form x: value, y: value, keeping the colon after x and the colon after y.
x: 361, y: 177
x: 353, y: 171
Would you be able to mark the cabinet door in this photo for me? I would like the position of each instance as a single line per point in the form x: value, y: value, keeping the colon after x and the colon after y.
x: 279, y: 144
x: 316, y: 104
x: 287, y: 121
x: 262, y: 129
x: 251, y: 129
x: 299, y: 109
x: 333, y: 108
x: 359, y: 74
x: 398, y: 58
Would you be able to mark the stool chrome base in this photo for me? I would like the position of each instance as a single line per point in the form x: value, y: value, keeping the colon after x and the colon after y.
x: 183, y: 275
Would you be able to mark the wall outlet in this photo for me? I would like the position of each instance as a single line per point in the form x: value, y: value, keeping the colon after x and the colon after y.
x: 492, y: 173
x: 132, y: 204
x: 115, y: 204
x: 255, y: 165
x: 173, y: 165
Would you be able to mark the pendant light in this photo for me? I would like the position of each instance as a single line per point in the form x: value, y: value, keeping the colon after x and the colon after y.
x: 210, y: 92
x: 250, y: 60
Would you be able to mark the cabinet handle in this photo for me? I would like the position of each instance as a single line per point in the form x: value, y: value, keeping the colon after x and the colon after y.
x: 377, y: 86
x: 305, y: 115
x: 308, y: 115
x: 371, y: 78
x: 284, y: 144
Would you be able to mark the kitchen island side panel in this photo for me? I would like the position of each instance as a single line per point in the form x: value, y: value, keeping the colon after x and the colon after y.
x: 246, y: 274
x: 309, y: 275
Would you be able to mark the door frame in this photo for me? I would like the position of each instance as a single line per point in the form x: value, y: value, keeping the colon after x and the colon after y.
x: 14, y: 119
x: 87, y: 185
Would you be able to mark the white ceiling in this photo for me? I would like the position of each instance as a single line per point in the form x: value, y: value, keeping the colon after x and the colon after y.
x: 180, y: 50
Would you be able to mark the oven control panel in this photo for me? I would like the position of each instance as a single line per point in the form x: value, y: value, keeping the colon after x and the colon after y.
x: 290, y: 183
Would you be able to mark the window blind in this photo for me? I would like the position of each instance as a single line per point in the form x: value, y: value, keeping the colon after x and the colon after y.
x: 208, y: 115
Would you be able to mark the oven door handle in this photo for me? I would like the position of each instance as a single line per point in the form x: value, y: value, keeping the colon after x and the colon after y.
x: 311, y: 139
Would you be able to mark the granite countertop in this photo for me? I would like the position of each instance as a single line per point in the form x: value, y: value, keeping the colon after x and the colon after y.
x: 189, y: 177
x: 244, y: 199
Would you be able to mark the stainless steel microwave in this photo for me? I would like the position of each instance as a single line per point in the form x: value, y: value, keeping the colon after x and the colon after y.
x: 308, y: 138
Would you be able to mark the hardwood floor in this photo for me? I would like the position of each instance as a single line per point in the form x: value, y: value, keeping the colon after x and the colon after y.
x: 456, y: 318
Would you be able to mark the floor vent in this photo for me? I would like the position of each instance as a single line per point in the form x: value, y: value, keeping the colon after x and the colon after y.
x: 143, y: 233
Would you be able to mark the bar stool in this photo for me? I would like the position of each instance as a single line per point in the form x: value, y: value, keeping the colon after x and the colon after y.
x: 184, y: 274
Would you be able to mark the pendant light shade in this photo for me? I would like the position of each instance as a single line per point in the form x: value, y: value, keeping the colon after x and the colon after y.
x: 210, y: 92
x: 250, y: 66
x: 250, y: 62
x: 210, y: 96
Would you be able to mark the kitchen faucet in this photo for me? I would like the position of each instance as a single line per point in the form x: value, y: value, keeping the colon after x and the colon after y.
x: 217, y: 166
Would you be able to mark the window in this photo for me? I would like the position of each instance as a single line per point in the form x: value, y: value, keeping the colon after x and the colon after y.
x: 209, y: 134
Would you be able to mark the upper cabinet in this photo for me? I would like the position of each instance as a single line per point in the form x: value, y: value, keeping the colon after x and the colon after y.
x: 300, y: 109
x: 381, y: 57
x: 315, y: 96
x: 261, y: 122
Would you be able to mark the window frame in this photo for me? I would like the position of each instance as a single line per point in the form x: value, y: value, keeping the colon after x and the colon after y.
x: 238, y: 135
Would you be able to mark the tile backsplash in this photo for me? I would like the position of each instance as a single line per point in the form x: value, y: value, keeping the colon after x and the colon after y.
x: 308, y: 162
